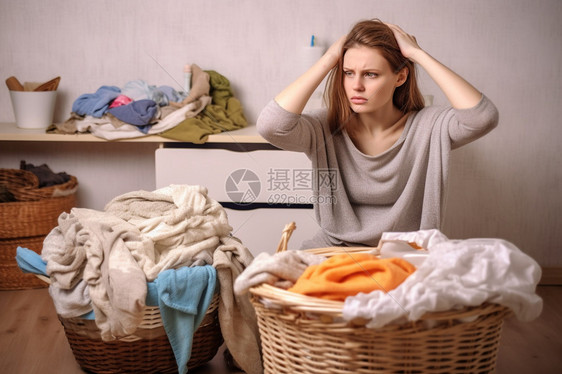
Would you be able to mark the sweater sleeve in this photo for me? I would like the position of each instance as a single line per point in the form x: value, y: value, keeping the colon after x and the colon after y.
x: 473, y: 123
x: 289, y: 131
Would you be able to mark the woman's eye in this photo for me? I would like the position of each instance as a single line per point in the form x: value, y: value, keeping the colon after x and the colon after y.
x: 371, y: 75
x: 348, y: 73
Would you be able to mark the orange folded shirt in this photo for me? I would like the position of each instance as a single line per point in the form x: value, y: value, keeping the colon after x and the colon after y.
x: 346, y: 275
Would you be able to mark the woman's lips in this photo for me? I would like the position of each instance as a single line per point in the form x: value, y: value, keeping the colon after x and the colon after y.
x: 358, y: 100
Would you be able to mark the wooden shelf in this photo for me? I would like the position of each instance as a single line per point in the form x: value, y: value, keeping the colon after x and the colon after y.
x: 10, y: 132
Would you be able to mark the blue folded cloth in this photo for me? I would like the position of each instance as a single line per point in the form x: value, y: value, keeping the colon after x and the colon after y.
x: 30, y: 262
x: 95, y: 104
x: 185, y: 295
x: 139, y: 113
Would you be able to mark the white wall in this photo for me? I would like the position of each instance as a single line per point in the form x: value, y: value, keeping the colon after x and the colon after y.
x: 505, y: 185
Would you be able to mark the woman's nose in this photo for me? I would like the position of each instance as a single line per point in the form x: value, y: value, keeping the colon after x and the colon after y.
x: 358, y: 84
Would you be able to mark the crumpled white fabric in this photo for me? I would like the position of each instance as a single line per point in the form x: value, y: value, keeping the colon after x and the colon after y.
x: 115, y: 252
x: 94, y: 248
x: 183, y: 223
x: 137, y: 236
x: 280, y: 269
x: 456, y: 273
x: 423, y: 238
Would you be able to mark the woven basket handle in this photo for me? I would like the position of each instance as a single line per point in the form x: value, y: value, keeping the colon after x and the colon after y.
x: 290, y: 227
x: 287, y: 232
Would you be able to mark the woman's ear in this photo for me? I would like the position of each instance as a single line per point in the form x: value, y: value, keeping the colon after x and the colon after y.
x: 402, y: 76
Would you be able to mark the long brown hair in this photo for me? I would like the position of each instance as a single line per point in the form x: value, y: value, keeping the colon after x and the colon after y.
x: 372, y: 34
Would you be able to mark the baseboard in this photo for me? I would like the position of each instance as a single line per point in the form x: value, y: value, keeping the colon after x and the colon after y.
x: 551, y: 277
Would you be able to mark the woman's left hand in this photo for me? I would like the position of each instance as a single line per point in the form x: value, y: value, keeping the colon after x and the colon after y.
x: 461, y: 94
x: 407, y: 43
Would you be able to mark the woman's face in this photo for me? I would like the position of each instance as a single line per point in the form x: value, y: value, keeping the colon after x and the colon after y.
x: 368, y: 79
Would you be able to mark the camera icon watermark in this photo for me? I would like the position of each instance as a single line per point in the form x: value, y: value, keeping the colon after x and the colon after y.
x: 282, y: 186
x: 243, y: 186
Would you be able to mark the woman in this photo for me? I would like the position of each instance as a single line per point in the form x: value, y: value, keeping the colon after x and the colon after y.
x: 387, y: 155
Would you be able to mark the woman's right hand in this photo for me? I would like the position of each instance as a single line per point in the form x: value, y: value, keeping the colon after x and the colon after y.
x: 334, y: 52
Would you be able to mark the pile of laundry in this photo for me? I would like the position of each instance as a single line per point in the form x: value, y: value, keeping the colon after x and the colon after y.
x: 138, y: 109
x: 408, y: 275
x: 175, y: 239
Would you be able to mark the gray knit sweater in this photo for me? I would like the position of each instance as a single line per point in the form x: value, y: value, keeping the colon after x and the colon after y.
x: 401, y: 189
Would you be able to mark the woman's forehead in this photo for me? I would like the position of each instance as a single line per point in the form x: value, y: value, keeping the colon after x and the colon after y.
x: 364, y: 58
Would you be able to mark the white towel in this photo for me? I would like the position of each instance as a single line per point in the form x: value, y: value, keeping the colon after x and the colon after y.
x: 457, y: 273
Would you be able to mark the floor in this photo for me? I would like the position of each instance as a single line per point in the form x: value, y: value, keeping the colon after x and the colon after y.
x: 32, y: 340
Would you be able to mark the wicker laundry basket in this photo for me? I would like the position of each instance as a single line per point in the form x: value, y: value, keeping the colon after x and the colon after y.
x: 301, y: 334
x: 24, y: 185
x: 147, y: 350
x: 28, y: 220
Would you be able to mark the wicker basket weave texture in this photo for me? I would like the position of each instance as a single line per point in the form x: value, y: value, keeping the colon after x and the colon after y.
x: 11, y: 276
x: 24, y: 185
x: 14, y: 180
x: 147, y: 351
x: 27, y: 222
x: 32, y: 218
x: 294, y: 342
x: 301, y: 335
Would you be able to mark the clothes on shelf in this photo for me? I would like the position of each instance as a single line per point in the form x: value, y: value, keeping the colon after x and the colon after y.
x: 138, y: 109
x: 138, y: 112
